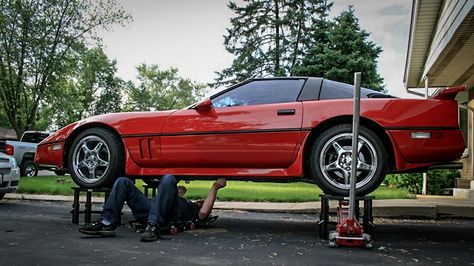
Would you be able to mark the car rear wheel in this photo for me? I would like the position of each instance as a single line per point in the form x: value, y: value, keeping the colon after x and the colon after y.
x: 331, y: 157
x: 2, y: 194
x: 28, y: 168
x: 96, y: 158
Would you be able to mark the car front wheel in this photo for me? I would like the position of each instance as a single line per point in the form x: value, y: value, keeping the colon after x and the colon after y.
x: 96, y: 158
x: 331, y: 158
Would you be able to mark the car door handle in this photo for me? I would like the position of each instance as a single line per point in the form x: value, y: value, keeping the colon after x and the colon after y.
x: 286, y: 112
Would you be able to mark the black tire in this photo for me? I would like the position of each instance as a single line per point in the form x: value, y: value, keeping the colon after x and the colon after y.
x: 104, y: 162
x: 2, y: 194
x: 28, y: 168
x: 60, y: 172
x: 330, y: 160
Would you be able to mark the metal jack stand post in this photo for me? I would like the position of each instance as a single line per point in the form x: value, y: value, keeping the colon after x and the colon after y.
x: 348, y: 231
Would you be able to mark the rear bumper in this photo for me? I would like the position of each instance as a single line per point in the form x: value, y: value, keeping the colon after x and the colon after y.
x: 440, y: 148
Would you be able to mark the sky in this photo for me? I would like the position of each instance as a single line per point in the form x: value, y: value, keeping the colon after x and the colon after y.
x: 188, y: 34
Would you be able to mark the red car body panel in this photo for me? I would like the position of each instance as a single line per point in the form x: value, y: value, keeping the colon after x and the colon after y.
x: 259, y: 141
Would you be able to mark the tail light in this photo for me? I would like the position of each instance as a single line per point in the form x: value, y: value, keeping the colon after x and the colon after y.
x: 9, y: 150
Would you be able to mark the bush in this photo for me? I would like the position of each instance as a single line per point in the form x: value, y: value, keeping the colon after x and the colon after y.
x: 412, y: 182
x: 438, y: 180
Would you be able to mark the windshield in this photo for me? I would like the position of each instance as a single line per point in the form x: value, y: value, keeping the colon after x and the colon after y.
x: 209, y: 93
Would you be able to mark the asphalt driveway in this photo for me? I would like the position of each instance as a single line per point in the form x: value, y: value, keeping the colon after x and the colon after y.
x: 41, y: 233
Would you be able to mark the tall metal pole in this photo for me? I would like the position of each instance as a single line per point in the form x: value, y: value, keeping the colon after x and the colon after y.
x: 355, y: 145
x: 424, y: 189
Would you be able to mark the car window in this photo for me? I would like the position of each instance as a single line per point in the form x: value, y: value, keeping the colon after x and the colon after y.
x: 34, y: 137
x: 261, y: 92
x: 338, y: 90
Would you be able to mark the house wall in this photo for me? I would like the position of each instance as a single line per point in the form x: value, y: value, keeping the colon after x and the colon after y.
x: 467, y: 171
x: 453, y: 14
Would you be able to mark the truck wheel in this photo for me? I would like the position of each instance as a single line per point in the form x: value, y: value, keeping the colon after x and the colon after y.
x: 28, y: 168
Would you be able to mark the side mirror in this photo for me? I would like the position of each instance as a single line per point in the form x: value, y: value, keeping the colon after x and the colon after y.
x: 205, y: 105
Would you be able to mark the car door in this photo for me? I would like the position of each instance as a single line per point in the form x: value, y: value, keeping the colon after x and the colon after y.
x: 254, y: 125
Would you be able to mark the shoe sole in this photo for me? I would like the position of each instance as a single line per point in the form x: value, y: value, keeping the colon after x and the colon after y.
x: 97, y: 233
x: 148, y: 239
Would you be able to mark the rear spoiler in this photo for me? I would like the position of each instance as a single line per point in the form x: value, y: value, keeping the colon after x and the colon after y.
x: 448, y: 93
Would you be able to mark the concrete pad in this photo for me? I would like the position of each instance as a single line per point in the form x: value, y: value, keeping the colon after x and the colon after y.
x: 462, y: 193
x: 406, y: 212
x: 423, y: 207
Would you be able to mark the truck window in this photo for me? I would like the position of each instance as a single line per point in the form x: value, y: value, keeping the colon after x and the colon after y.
x: 34, y: 137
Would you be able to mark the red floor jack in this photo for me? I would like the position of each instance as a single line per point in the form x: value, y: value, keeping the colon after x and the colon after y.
x: 348, y: 231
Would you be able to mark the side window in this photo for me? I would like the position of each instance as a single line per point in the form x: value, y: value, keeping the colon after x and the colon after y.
x: 336, y: 90
x: 261, y: 92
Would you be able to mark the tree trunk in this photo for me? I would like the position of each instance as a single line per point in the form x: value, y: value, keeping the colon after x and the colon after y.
x: 277, y: 39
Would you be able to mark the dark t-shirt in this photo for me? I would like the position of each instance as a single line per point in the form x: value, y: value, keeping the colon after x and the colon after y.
x: 188, y: 210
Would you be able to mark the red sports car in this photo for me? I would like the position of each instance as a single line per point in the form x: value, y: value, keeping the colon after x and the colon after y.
x: 275, y: 129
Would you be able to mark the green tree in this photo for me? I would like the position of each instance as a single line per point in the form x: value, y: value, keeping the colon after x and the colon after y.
x: 99, y: 90
x: 268, y: 38
x: 110, y: 98
x: 346, y: 50
x: 4, y: 120
x: 37, y: 39
x: 161, y: 90
x: 88, y: 87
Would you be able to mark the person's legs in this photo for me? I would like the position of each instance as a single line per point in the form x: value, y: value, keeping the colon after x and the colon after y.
x: 124, y: 190
x: 164, y: 204
x: 163, y: 208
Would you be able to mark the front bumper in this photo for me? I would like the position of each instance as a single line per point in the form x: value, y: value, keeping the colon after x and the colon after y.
x: 50, y: 155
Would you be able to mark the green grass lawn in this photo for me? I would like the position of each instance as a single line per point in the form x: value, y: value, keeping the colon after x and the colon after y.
x: 235, y: 190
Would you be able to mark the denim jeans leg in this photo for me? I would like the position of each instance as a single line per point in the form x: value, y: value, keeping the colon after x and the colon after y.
x: 124, y: 190
x: 165, y: 203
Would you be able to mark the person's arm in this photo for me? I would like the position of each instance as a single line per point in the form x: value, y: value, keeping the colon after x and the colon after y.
x: 211, y: 198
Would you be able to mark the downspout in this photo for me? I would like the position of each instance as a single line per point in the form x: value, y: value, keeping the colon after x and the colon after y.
x: 424, y: 190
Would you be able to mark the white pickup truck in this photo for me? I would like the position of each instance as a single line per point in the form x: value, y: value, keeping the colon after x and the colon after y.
x: 24, y: 151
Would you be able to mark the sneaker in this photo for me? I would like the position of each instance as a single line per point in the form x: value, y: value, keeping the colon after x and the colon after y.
x: 152, y: 233
x: 98, y: 229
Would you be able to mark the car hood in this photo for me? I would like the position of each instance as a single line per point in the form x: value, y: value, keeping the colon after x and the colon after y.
x: 129, y: 123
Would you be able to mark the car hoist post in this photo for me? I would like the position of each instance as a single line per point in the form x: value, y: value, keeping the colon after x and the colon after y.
x: 349, y: 232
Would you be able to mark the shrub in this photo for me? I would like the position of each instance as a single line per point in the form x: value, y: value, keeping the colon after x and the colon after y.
x: 412, y: 182
x: 438, y: 180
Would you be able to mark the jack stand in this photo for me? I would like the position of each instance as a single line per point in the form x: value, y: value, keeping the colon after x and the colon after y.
x: 338, y: 237
x: 349, y: 232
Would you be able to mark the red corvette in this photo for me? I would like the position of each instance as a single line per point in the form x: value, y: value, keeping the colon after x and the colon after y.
x: 277, y: 129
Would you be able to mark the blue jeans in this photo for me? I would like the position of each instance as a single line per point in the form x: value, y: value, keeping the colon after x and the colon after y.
x: 159, y: 210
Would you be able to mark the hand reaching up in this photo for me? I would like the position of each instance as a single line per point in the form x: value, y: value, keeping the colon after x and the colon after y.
x: 220, y: 182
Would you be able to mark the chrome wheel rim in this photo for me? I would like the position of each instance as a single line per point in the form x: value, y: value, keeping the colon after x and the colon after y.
x: 90, y: 159
x: 336, y: 157
x: 30, y: 170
